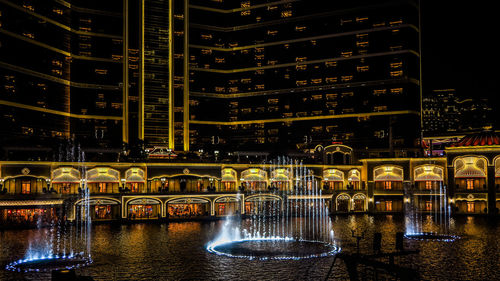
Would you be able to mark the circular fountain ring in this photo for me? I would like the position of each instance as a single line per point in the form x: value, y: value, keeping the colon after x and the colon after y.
x: 276, y: 248
x: 47, y: 264
x: 430, y: 236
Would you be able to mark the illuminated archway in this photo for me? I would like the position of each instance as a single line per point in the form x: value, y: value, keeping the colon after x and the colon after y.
x: 343, y: 203
x: 388, y: 177
x: 470, y: 172
x: 428, y: 177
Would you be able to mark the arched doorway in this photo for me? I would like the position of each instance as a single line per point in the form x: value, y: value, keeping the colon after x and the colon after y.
x: 188, y: 207
x: 359, y: 202
x: 226, y: 206
x: 144, y: 208
x: 343, y: 203
x: 265, y: 204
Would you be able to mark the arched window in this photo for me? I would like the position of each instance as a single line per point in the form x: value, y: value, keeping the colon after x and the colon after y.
x: 388, y: 177
x: 428, y: 177
x: 470, y: 173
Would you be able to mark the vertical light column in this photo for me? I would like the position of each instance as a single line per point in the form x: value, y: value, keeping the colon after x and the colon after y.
x: 125, y: 73
x: 171, y: 136
x: 186, y: 76
x: 141, y: 74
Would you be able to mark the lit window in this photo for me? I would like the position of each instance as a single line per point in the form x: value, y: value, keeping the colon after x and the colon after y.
x: 428, y: 205
x: 26, y: 187
x: 470, y: 207
x: 388, y: 206
x: 388, y: 186
x: 102, y: 187
x: 470, y: 184
x: 428, y: 185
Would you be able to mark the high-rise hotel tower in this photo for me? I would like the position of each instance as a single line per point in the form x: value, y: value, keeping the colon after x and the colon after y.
x: 246, y: 75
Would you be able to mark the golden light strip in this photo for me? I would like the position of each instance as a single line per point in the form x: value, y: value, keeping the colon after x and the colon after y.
x: 56, y: 23
x: 226, y: 71
x: 30, y: 203
x: 186, y: 76
x: 54, y: 49
x: 291, y: 41
x: 171, y: 127
x: 228, y: 11
x: 57, y: 112
x: 308, y: 118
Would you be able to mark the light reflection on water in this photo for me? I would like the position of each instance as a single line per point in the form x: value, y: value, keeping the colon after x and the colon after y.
x: 177, y: 251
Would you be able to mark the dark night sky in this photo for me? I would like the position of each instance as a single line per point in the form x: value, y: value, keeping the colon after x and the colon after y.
x: 458, y: 47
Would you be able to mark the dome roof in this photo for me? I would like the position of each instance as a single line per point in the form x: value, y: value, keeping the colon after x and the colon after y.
x: 484, y: 138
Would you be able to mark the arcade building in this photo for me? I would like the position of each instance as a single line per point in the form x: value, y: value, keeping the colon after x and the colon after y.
x: 38, y: 192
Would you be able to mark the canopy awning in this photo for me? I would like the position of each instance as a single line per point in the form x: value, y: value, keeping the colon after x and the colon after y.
x: 333, y: 175
x: 254, y: 175
x: 429, y: 173
x: 388, y: 173
x: 65, y: 175
x: 135, y: 175
x: 97, y: 175
x: 34, y: 203
x: 228, y: 174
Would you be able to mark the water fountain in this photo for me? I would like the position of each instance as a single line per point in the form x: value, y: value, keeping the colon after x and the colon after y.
x: 61, y: 246
x: 286, y: 221
x: 429, y: 218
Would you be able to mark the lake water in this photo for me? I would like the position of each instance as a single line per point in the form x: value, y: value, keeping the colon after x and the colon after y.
x: 176, y: 251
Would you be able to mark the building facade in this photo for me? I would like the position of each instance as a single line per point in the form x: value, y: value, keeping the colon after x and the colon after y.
x: 61, y: 68
x: 38, y: 192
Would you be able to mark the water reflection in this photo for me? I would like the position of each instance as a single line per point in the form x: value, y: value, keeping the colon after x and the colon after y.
x: 177, y: 251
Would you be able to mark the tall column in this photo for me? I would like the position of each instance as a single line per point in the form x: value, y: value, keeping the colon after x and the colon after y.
x: 491, y: 191
x: 125, y: 89
x: 186, y: 76
x: 171, y: 131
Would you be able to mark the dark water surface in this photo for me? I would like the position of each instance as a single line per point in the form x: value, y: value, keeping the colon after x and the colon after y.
x: 176, y: 251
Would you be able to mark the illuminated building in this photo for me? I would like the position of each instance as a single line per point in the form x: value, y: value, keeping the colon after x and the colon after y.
x: 278, y: 75
x: 444, y: 114
x: 160, y: 191
x: 228, y: 76
x: 61, y: 70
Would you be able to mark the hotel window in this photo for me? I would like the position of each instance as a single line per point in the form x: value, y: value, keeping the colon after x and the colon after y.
x: 346, y: 54
x: 470, y: 207
x: 387, y: 185
x: 397, y: 73
x: 397, y: 91
x: 286, y: 14
x: 428, y: 205
x: 362, y: 68
x: 379, y: 92
x: 361, y: 19
x: 102, y: 187
x: 331, y: 64
x: 300, y: 28
x: 428, y: 185
x: 272, y: 32
x: 470, y: 184
x: 388, y: 206
x: 26, y: 187
x: 206, y: 52
x: 331, y: 79
x: 272, y: 101
x: 346, y: 78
